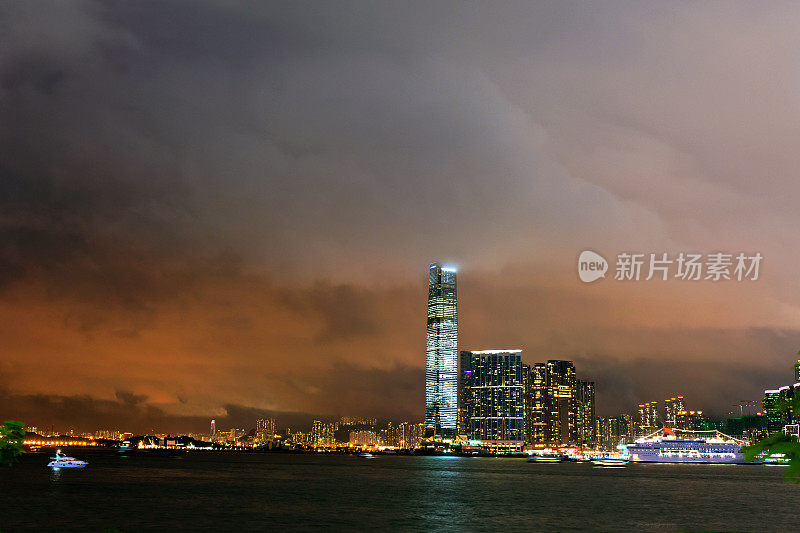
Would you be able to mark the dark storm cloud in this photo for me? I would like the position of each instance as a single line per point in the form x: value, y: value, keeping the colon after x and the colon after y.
x: 271, y: 130
x: 85, y: 413
x: 208, y: 194
x: 395, y: 392
x: 346, y: 311
x: 344, y: 389
x: 129, y: 398
x: 711, y: 386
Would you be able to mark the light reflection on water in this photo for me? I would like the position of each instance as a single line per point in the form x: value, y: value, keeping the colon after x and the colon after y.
x: 203, y: 490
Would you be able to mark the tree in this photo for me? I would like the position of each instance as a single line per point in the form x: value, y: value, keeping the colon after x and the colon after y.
x: 12, y: 435
x: 778, y: 443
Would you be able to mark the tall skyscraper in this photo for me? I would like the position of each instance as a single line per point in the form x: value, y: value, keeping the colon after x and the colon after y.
x: 322, y: 433
x: 559, y: 408
x: 587, y: 432
x: 647, y: 420
x: 611, y: 431
x: 441, y: 364
x: 561, y: 420
x: 527, y: 407
x: 778, y: 407
x: 464, y: 396
x: 672, y: 407
x: 265, y: 430
x: 630, y: 434
x: 535, y: 394
x: 691, y: 420
x: 495, y: 389
x: 409, y: 435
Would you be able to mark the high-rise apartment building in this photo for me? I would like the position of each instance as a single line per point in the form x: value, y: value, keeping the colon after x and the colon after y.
x: 495, y: 395
x: 441, y: 358
x: 233, y: 436
x: 363, y: 437
x: 627, y: 419
x: 778, y: 407
x: 587, y: 432
x: 527, y: 403
x: 357, y: 421
x: 409, y: 435
x: 611, y: 431
x: 647, y: 419
x: 672, y: 407
x: 797, y: 371
x: 691, y: 420
x: 535, y: 393
x: 464, y: 398
x: 323, y: 433
x: 265, y: 430
x: 560, y: 404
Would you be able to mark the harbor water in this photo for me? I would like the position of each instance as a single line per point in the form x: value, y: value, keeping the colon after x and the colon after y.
x: 230, y: 491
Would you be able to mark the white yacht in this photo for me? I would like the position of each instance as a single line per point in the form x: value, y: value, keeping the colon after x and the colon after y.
x: 610, y: 461
x: 62, y: 461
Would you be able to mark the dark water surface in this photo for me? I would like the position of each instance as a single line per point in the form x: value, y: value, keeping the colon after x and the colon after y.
x: 229, y: 491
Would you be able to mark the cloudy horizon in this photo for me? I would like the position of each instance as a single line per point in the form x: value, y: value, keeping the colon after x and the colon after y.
x: 224, y: 209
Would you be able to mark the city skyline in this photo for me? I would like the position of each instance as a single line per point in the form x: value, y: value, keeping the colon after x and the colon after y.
x: 228, y: 220
x: 442, y: 339
x: 222, y: 223
x: 504, y: 405
x: 441, y: 347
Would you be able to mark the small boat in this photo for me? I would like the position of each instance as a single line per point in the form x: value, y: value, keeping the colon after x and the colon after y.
x: 546, y: 458
x: 610, y: 461
x: 62, y: 461
x: 577, y: 458
x: 776, y: 459
x: 367, y: 455
x: 125, y: 451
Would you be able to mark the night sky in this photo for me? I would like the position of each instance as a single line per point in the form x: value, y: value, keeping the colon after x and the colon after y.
x: 225, y: 210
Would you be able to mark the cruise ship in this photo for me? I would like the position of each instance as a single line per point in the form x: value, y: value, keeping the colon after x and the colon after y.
x: 664, y: 446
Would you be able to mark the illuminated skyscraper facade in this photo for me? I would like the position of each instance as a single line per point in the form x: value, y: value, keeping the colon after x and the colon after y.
x: 560, y: 406
x: 441, y: 365
x: 587, y: 432
x: 495, y: 391
x: 322, y: 433
x: 464, y: 396
x: 672, y: 407
x: 559, y: 409
x: 612, y: 431
x: 691, y: 420
x: 535, y: 378
x: 778, y: 407
x: 647, y: 419
x: 265, y: 430
x: 407, y: 435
